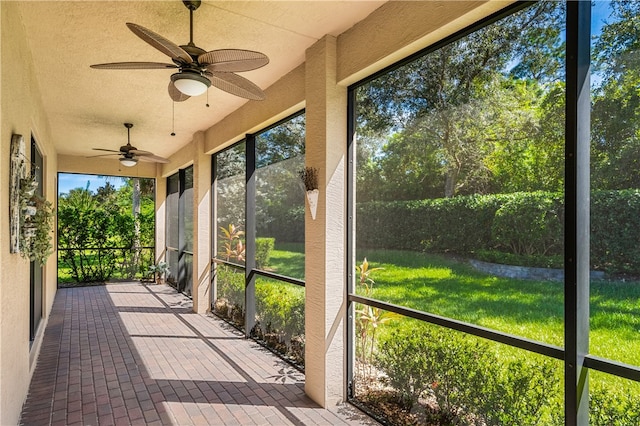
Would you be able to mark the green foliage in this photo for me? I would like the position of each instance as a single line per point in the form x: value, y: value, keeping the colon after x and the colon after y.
x: 616, y: 101
x: 607, y: 408
x: 368, y: 320
x: 232, y: 243
x: 460, y: 224
x: 529, y: 224
x: 533, y: 260
x: 465, y: 377
x: 100, y: 234
x: 36, y: 222
x: 280, y: 308
x: 615, y: 228
x: 522, y: 393
x: 402, y: 357
x: 264, y: 247
x: 230, y: 286
x: 161, y: 269
x: 453, y: 122
x: 123, y: 260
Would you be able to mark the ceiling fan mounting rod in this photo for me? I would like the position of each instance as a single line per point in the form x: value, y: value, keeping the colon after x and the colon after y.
x: 128, y: 126
x: 191, y: 5
x: 191, y: 27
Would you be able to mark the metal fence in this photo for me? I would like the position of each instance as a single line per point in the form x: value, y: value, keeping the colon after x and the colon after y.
x: 93, y: 264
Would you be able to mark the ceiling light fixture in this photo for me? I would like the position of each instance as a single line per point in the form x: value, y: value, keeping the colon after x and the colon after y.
x: 190, y: 83
x: 128, y: 162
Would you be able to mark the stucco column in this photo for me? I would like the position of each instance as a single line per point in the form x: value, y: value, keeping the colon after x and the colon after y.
x: 161, y: 214
x: 325, y: 242
x: 202, y: 227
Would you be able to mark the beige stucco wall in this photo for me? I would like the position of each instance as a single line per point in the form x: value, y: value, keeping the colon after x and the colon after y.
x: 21, y: 113
x: 399, y: 28
x: 105, y: 167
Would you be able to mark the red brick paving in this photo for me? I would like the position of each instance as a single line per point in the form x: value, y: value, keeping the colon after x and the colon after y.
x: 132, y: 354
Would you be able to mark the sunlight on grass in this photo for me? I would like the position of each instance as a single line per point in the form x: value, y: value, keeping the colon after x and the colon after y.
x: 532, y: 309
x: 288, y: 260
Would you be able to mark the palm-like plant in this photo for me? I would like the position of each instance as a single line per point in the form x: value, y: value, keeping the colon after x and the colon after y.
x: 368, y: 319
x: 233, y: 245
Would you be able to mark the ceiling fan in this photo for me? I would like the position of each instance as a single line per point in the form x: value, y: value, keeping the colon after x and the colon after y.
x: 130, y: 154
x: 197, y: 68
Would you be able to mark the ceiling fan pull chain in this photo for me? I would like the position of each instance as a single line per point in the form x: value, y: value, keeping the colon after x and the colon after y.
x: 207, y: 99
x: 173, y: 118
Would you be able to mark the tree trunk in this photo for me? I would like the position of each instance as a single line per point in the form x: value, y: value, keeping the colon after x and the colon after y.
x: 450, y: 184
x: 135, y: 258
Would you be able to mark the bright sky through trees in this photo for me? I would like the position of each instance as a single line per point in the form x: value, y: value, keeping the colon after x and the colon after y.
x: 69, y: 181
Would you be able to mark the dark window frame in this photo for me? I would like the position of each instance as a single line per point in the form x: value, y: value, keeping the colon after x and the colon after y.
x: 575, y: 355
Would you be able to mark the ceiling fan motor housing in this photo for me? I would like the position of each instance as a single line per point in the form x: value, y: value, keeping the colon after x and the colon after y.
x: 192, y: 4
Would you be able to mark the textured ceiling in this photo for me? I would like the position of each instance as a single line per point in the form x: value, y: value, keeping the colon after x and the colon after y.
x: 87, y: 107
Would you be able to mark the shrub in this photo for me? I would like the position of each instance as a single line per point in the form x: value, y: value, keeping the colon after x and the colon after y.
x: 287, y: 226
x: 530, y: 224
x: 230, y: 289
x: 519, y: 223
x: 611, y: 409
x: 264, y: 247
x: 465, y: 378
x: 404, y: 358
x: 615, y: 230
x: 521, y: 393
x: 459, y: 225
x: 532, y: 260
x: 280, y: 314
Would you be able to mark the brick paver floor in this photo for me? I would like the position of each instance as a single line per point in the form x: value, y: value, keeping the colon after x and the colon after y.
x: 135, y: 354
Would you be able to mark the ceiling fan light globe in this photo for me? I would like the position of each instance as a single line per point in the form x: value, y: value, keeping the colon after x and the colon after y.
x: 128, y: 162
x: 191, y: 84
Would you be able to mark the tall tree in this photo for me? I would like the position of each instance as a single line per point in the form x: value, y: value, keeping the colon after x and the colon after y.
x: 444, y: 98
x: 616, y: 100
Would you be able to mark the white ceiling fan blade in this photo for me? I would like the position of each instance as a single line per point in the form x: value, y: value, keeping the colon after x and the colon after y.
x: 175, y: 94
x: 233, y: 60
x: 167, y: 47
x: 236, y: 85
x: 133, y: 66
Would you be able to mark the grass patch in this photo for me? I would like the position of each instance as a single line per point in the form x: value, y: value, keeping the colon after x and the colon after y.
x: 533, y: 309
x: 450, y: 287
x: 288, y: 259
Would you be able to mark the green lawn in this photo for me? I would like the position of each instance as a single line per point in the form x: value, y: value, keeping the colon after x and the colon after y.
x: 531, y: 309
x: 288, y: 259
x: 450, y: 287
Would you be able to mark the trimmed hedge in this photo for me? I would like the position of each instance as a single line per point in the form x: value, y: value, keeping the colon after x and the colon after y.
x: 287, y: 227
x: 519, y: 223
x: 264, y: 247
x: 468, y: 381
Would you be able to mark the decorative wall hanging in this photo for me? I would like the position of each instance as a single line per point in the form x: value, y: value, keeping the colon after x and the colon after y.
x: 36, y: 222
x: 309, y: 176
x: 18, y: 172
x: 31, y: 220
